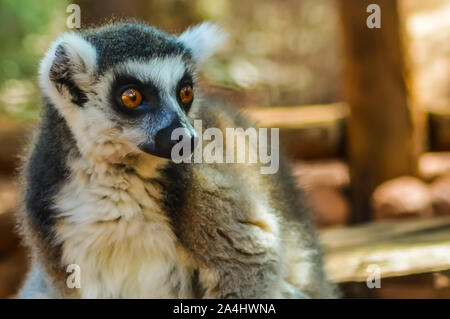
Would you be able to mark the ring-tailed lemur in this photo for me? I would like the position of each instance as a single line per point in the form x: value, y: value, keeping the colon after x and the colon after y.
x: 100, y: 193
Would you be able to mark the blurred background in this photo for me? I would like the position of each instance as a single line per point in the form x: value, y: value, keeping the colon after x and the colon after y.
x: 364, y: 116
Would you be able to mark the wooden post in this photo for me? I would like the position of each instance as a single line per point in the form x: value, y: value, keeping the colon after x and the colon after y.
x: 385, y: 132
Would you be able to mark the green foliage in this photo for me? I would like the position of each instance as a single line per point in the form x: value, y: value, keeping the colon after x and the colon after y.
x: 27, y: 27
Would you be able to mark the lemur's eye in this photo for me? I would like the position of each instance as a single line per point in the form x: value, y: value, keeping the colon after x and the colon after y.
x: 131, y: 98
x: 186, y: 94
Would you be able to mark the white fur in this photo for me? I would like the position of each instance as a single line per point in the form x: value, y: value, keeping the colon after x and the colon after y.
x: 81, y: 53
x: 203, y: 40
x: 164, y: 72
x: 113, y: 229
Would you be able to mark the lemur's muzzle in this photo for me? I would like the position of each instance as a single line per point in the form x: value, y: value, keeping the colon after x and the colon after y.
x: 164, y: 142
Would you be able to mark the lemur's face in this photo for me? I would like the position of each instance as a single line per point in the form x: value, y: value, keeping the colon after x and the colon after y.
x: 124, y: 88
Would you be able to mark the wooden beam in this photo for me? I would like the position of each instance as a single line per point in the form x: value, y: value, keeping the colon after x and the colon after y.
x: 398, y: 247
x: 308, y: 131
x: 385, y: 131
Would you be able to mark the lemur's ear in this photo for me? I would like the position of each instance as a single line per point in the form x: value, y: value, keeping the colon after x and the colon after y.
x: 67, y: 68
x: 203, y: 40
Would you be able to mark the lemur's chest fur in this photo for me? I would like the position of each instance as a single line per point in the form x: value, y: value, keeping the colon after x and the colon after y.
x: 112, y: 227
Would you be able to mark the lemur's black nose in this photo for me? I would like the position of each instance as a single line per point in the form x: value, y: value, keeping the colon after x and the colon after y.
x: 164, y: 141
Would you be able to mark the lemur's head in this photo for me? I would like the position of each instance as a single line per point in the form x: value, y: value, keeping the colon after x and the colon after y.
x: 123, y: 88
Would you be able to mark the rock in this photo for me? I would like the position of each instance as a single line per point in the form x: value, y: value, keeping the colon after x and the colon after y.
x: 402, y: 197
x: 328, y: 205
x: 440, y: 194
x: 434, y: 164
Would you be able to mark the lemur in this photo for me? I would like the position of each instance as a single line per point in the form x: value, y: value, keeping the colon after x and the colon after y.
x: 100, y: 191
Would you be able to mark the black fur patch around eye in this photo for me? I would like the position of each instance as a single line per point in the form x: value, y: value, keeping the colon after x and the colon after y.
x: 149, y: 91
x: 62, y: 75
x: 185, y: 80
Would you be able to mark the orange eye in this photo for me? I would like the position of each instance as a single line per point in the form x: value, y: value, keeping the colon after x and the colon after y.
x: 186, y: 94
x: 131, y: 98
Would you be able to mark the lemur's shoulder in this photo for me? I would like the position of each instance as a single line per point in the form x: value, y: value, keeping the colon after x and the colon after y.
x: 216, y: 112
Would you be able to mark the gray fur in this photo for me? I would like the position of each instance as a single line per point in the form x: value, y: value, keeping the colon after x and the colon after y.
x: 124, y: 41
